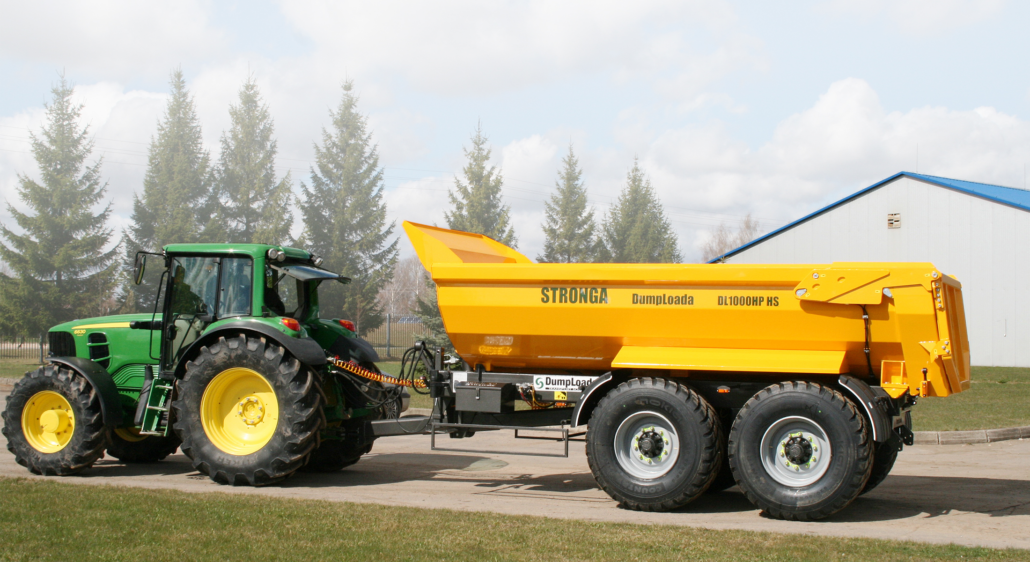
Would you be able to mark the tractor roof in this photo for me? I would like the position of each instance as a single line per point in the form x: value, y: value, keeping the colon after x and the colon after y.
x: 252, y: 250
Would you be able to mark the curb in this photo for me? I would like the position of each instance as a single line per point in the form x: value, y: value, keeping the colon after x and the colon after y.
x: 971, y: 437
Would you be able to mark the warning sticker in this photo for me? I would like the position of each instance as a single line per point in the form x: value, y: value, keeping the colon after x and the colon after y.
x: 559, y: 395
x: 548, y: 383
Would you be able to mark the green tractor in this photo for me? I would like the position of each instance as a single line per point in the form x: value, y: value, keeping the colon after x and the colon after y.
x: 236, y: 368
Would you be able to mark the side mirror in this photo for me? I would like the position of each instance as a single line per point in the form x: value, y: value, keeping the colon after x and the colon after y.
x: 139, y: 267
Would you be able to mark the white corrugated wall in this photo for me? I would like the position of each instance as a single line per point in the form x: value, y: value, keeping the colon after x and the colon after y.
x: 986, y: 245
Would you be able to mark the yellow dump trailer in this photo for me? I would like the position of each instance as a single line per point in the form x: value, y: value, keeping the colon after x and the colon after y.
x: 792, y: 381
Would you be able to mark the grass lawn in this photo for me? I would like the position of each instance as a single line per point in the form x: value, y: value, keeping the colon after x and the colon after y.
x: 999, y: 397
x: 15, y: 368
x: 45, y: 520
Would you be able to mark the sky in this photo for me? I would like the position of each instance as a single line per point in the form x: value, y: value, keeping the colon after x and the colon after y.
x: 731, y: 108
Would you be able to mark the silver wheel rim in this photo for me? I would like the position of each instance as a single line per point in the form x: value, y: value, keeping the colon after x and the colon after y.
x: 647, y: 426
x: 780, y: 447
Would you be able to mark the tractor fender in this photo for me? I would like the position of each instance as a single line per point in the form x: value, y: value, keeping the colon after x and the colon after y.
x: 100, y: 379
x: 592, y: 394
x: 354, y: 348
x: 306, y: 350
x: 863, y: 395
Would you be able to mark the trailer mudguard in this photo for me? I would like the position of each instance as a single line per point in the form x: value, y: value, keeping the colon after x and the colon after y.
x: 865, y: 397
x: 100, y: 379
x: 306, y: 350
x: 591, y: 396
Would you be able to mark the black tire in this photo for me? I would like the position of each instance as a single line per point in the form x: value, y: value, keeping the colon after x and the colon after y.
x: 831, y: 486
x: 699, y: 444
x: 333, y: 455
x: 884, y: 456
x: 151, y: 448
x: 724, y: 478
x: 297, y: 394
x: 89, y: 436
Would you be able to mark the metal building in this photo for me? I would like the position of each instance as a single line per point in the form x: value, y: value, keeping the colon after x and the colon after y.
x: 979, y: 233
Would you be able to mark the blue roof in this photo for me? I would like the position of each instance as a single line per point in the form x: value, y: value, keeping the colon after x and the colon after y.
x: 1010, y: 196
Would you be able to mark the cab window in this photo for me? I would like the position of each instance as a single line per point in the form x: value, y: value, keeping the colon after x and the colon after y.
x: 236, y: 287
x: 282, y: 293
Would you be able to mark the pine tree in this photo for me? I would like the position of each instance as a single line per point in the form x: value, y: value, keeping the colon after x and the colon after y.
x: 635, y: 229
x: 345, y: 216
x: 427, y: 309
x: 252, y: 206
x: 569, y: 226
x: 62, y: 270
x: 476, y: 203
x: 177, y: 201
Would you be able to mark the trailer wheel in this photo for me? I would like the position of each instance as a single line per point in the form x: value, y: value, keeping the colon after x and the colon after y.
x: 247, y: 412
x: 884, y: 456
x: 724, y: 477
x: 653, y: 444
x: 800, y: 451
x: 53, y: 422
x: 128, y: 446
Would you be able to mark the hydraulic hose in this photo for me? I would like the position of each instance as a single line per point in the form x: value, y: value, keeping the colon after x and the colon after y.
x: 377, y: 377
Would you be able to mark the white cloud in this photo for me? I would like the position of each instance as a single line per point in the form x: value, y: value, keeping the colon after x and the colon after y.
x: 921, y: 17
x: 843, y: 143
x: 473, y: 47
x: 120, y: 37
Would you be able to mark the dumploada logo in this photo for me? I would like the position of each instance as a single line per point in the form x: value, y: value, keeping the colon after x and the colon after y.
x: 564, y: 384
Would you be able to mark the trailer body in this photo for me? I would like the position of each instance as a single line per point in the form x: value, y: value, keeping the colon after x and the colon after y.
x: 715, y: 321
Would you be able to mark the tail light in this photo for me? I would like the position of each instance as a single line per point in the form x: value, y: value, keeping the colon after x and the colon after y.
x: 349, y: 325
x: 291, y: 324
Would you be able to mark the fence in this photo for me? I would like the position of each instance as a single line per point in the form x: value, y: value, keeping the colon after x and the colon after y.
x: 23, y: 349
x: 395, y: 335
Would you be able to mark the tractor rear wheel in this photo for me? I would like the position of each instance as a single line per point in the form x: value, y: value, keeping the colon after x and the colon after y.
x: 333, y: 455
x: 248, y: 413
x: 653, y: 445
x: 128, y: 446
x: 800, y: 451
x: 53, y: 422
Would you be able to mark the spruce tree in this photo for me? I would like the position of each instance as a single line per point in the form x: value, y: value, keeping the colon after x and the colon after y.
x: 345, y: 216
x: 476, y: 202
x: 253, y: 207
x: 177, y: 201
x: 62, y: 270
x: 569, y: 226
x: 635, y: 229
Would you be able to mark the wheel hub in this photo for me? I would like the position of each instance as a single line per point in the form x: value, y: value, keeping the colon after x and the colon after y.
x: 651, y: 444
x: 47, y: 421
x: 798, y: 450
x: 53, y: 421
x: 251, y: 410
x: 795, y: 451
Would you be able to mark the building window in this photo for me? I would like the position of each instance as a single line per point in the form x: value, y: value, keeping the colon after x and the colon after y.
x: 893, y: 220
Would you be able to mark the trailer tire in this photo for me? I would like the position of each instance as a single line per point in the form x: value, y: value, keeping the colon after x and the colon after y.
x: 800, y: 451
x: 128, y: 446
x: 248, y: 413
x: 57, y: 398
x: 659, y: 421
x: 884, y: 456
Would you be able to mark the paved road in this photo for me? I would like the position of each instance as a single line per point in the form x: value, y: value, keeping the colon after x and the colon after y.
x: 965, y: 494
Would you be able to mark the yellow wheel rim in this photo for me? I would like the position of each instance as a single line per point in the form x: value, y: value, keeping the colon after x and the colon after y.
x: 239, y: 411
x: 48, y: 422
x: 130, y: 434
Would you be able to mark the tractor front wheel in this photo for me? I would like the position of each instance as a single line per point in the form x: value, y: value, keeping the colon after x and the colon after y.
x: 247, y: 412
x: 53, y: 422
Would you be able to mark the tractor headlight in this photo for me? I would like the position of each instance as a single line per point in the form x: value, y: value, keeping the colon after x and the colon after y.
x: 276, y: 255
x: 317, y: 261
